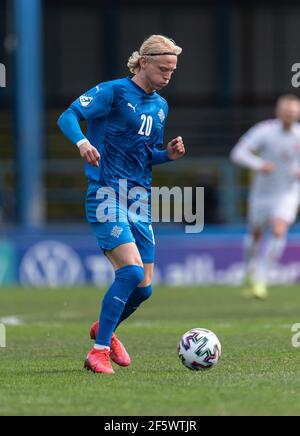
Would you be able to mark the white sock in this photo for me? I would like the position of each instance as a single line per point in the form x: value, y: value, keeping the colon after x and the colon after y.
x: 275, y: 248
x: 273, y: 253
x: 251, y: 248
x: 101, y: 347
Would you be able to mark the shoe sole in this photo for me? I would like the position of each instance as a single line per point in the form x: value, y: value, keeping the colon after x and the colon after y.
x: 124, y: 365
x: 88, y: 368
x: 250, y: 293
x: 261, y: 297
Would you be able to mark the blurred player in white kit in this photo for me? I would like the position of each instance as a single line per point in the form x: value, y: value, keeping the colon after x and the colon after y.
x: 272, y: 150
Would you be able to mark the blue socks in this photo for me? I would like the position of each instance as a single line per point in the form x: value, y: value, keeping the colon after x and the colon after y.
x: 115, y: 301
x: 138, y: 296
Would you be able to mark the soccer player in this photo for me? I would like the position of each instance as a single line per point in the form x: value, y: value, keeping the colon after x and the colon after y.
x: 126, y: 119
x: 272, y: 150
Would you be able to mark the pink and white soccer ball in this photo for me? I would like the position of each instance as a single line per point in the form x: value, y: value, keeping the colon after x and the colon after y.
x: 199, y: 349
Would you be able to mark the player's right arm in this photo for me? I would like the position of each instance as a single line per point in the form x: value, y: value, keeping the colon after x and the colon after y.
x: 96, y: 103
x: 244, y: 153
x: 69, y: 123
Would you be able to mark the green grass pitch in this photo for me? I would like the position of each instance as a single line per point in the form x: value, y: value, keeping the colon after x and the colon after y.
x: 41, y: 369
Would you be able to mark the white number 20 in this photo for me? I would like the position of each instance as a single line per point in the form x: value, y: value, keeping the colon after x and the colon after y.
x: 146, y: 127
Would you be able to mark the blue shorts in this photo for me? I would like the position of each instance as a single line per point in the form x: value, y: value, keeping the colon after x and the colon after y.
x: 115, y: 232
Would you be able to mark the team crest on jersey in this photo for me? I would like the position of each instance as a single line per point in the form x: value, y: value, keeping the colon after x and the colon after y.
x: 116, y: 232
x: 85, y: 100
x: 161, y: 115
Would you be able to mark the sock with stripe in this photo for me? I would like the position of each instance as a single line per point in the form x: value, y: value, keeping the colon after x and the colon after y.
x: 115, y: 299
x: 138, y: 296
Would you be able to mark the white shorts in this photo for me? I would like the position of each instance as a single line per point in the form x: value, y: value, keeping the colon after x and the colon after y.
x: 263, y: 210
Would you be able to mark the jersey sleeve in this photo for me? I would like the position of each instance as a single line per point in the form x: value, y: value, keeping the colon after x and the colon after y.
x: 69, y: 124
x: 161, y: 156
x: 163, y: 114
x: 250, y: 143
x: 95, y: 103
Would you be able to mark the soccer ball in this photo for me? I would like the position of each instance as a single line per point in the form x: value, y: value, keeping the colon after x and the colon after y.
x: 199, y: 349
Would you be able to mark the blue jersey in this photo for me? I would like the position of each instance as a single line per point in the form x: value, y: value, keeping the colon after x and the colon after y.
x: 125, y: 124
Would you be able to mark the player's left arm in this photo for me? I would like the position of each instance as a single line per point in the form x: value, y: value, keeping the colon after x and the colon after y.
x: 175, y: 150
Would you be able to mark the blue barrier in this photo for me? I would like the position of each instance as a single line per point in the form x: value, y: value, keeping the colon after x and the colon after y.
x: 69, y: 256
x: 7, y: 263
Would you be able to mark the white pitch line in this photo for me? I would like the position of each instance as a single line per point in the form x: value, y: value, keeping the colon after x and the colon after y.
x: 11, y: 321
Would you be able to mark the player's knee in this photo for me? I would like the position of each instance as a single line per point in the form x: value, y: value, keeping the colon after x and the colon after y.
x: 133, y: 274
x: 145, y: 293
x: 148, y: 277
x: 280, y: 230
x: 278, y: 233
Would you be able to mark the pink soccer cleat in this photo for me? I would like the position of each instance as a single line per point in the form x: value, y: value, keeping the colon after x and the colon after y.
x: 98, y: 361
x: 94, y: 330
x: 118, y: 352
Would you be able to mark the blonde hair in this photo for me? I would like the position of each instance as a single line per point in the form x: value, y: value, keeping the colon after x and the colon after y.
x: 154, y: 45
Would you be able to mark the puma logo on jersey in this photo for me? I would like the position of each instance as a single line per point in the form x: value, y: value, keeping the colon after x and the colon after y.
x: 132, y: 107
